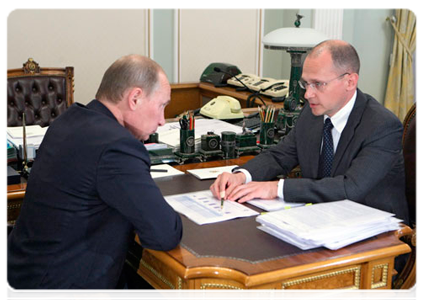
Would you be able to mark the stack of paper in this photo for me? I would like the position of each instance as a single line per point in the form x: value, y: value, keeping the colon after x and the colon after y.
x: 34, y: 137
x: 332, y: 225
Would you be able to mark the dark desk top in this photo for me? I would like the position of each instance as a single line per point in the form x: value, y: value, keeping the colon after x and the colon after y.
x: 237, y: 239
x: 239, y: 245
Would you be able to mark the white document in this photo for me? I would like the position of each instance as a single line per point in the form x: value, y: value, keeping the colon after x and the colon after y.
x: 273, y: 204
x: 169, y: 133
x: 203, y: 208
x: 30, y: 130
x: 155, y: 146
x: 164, y: 170
x: 34, y: 136
x: 332, y: 225
x: 209, y: 173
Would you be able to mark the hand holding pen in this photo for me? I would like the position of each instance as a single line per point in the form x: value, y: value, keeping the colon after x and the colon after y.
x: 225, y: 184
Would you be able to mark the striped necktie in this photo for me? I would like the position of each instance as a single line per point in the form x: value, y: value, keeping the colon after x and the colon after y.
x: 326, y: 157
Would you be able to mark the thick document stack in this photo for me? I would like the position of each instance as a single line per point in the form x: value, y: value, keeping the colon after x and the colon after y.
x: 332, y: 225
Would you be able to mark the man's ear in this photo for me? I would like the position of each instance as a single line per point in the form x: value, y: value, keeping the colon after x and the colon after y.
x: 134, y: 97
x: 352, y: 81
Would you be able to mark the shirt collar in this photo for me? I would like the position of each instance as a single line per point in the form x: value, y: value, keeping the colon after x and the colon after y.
x: 339, y: 120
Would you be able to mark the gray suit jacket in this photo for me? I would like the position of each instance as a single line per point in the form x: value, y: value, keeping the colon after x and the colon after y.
x: 368, y: 165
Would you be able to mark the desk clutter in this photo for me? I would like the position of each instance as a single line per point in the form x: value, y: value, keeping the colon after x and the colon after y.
x: 203, y: 139
x: 222, y: 74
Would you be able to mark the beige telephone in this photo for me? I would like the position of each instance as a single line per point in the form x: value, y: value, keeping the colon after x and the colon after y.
x: 245, y: 78
x: 222, y: 108
x: 260, y: 83
x: 276, y: 88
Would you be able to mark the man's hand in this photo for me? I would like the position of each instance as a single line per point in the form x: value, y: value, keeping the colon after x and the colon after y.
x: 225, y: 184
x: 254, y: 189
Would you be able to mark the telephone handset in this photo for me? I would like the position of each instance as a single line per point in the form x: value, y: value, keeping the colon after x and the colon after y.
x: 245, y: 78
x: 222, y: 108
x: 275, y: 89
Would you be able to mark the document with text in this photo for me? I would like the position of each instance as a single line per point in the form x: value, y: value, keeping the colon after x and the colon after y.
x: 203, y: 208
x: 332, y: 225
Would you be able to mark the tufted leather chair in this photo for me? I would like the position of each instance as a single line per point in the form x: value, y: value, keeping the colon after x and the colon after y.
x: 407, y: 278
x: 41, y: 93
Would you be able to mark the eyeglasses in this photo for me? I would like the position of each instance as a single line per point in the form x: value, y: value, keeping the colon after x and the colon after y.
x: 318, y: 85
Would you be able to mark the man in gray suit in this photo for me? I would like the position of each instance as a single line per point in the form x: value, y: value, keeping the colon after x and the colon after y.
x: 360, y: 157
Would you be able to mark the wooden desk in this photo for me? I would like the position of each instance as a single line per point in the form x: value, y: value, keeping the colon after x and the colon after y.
x: 190, y: 96
x: 15, y: 195
x: 364, y: 265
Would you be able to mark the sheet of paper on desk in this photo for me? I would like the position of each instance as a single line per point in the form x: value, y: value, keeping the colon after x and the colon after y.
x: 30, y: 131
x: 273, y: 204
x: 203, y: 208
x: 169, y: 133
x: 209, y: 173
x: 34, y: 135
x: 332, y: 225
x: 164, y: 170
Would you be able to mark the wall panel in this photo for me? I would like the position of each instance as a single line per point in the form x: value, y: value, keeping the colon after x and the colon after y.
x: 88, y: 40
x: 208, y: 36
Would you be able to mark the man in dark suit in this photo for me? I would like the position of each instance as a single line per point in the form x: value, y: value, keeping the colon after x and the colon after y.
x: 360, y: 157
x: 90, y: 187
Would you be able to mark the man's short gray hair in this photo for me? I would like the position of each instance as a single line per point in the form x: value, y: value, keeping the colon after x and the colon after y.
x: 128, y: 72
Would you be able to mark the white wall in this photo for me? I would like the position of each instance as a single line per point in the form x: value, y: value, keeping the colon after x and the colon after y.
x: 372, y: 36
x: 88, y: 40
x: 227, y: 36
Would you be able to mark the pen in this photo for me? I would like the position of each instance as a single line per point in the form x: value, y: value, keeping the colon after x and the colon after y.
x: 222, y: 198
x: 158, y: 170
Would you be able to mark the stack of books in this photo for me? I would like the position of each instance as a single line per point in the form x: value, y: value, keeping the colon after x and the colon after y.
x: 332, y: 225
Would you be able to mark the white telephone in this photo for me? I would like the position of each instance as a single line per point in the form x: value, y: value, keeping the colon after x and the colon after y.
x: 260, y: 83
x: 276, y: 88
x: 245, y: 78
x: 222, y: 108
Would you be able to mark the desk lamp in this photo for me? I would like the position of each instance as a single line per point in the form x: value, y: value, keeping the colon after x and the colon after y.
x: 296, y: 41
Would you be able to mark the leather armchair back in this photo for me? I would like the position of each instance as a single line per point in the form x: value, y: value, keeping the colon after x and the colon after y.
x: 42, y: 94
x: 409, y: 152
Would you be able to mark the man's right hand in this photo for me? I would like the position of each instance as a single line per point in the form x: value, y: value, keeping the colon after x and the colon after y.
x: 225, y: 183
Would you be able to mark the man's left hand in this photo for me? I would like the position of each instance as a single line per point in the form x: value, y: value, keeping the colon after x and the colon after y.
x: 255, y: 189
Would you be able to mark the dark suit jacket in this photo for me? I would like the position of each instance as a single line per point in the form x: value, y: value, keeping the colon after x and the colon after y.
x: 368, y: 165
x: 89, y: 187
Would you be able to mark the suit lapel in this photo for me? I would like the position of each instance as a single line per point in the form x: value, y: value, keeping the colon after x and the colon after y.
x: 349, y: 130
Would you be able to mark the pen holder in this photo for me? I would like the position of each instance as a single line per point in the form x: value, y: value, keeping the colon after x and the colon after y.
x: 187, y: 141
x: 267, y: 133
x: 228, y: 144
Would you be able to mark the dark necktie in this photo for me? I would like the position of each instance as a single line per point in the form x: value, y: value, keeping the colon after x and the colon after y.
x: 326, y: 157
